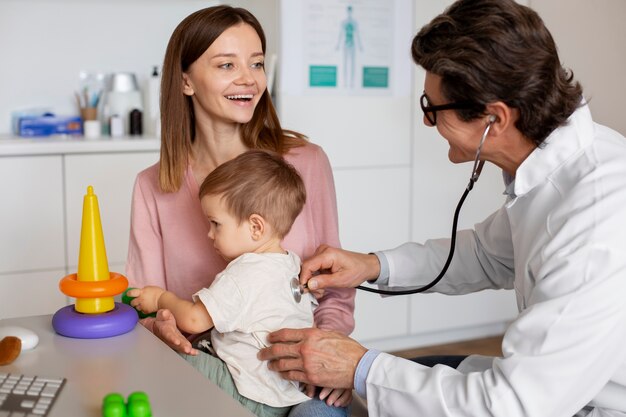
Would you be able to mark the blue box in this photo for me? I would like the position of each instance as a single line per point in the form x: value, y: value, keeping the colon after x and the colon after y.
x: 49, y: 124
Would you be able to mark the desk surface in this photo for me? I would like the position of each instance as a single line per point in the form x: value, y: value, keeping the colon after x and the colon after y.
x: 135, y: 361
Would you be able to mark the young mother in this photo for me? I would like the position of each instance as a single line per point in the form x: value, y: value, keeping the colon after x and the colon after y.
x: 215, y: 106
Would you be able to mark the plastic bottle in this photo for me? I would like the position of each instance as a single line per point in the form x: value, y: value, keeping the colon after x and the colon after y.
x: 116, y: 126
x: 152, y: 114
x: 136, y: 128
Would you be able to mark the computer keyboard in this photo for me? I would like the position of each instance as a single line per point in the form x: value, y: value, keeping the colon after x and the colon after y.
x: 28, y: 396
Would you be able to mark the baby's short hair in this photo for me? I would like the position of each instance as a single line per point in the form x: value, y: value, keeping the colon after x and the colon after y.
x: 259, y: 182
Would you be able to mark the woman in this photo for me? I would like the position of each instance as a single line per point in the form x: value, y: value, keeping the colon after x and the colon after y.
x: 493, y: 72
x: 215, y: 106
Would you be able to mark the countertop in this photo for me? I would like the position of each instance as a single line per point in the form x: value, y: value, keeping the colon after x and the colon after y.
x: 134, y: 361
x: 60, y: 145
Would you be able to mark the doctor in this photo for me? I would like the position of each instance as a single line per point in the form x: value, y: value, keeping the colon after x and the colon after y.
x: 559, y: 240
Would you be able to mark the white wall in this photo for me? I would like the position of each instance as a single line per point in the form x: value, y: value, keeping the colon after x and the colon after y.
x: 591, y: 37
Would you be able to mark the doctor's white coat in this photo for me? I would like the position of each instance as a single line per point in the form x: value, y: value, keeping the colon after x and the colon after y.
x: 560, y: 242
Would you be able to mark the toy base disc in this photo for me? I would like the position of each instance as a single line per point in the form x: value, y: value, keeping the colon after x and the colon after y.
x: 68, y: 322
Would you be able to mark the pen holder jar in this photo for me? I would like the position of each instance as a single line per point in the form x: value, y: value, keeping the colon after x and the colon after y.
x: 91, y: 124
x: 92, y: 129
x: 89, y: 113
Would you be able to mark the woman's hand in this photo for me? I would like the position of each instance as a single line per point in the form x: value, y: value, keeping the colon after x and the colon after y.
x: 314, y: 356
x: 337, y: 268
x: 164, y: 327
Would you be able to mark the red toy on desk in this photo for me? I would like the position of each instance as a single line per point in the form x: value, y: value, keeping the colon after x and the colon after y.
x: 10, y: 348
x: 95, y: 314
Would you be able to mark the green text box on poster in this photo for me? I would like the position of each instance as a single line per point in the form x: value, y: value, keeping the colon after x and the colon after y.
x: 375, y: 77
x: 322, y: 76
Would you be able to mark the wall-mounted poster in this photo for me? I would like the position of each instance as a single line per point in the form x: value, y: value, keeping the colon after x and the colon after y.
x: 346, y: 47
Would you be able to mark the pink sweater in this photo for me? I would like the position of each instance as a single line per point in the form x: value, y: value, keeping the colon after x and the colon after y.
x: 169, y: 244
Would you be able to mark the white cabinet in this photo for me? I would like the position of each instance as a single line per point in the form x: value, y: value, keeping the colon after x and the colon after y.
x: 31, y: 214
x: 32, y: 255
x: 42, y: 187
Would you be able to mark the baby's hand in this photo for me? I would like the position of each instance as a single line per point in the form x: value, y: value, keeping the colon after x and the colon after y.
x: 146, y: 299
x: 332, y: 396
x: 337, y: 397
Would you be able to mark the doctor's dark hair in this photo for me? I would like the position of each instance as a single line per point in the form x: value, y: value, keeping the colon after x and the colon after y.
x: 497, y: 50
x: 258, y: 182
x: 188, y: 42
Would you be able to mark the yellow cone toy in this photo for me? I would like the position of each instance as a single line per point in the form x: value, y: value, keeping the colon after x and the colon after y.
x: 92, y: 257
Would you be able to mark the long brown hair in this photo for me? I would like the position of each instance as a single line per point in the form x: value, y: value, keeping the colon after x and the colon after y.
x: 188, y: 42
x: 498, y: 50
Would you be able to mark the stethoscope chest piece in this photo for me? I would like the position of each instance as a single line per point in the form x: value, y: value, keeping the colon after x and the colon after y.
x: 296, y: 290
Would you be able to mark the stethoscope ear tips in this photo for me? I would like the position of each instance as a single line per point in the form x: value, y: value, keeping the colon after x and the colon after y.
x: 492, y: 118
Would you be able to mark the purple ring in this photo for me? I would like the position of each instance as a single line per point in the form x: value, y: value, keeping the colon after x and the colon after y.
x: 68, y: 322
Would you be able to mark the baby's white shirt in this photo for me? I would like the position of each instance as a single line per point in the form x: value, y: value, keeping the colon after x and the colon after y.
x: 251, y: 298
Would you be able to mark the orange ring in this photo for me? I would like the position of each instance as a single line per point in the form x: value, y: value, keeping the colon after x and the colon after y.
x: 71, y: 287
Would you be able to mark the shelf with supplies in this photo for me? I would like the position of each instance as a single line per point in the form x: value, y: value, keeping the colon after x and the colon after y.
x: 60, y: 145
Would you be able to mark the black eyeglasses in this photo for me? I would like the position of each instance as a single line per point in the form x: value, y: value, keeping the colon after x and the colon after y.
x: 431, y: 111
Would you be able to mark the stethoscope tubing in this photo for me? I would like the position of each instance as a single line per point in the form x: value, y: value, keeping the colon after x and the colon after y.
x: 476, y: 170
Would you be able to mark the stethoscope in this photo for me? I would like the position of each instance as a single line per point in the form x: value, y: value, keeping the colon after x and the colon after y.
x: 297, y: 290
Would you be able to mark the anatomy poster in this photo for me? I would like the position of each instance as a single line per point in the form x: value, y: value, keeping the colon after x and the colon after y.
x: 341, y: 47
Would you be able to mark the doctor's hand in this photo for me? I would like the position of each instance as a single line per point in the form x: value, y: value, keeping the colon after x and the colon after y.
x: 313, y: 356
x: 338, y: 268
x: 164, y: 327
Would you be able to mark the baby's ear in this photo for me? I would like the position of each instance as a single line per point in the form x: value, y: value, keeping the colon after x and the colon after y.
x: 257, y: 226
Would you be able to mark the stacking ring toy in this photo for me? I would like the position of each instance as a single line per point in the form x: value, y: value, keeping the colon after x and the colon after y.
x: 68, y: 322
x: 95, y: 314
x: 71, y: 287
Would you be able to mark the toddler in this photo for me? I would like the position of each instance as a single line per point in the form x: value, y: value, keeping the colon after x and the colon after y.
x: 251, y: 203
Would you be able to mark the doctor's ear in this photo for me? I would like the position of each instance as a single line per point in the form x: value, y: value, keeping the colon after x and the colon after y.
x: 500, y: 116
x: 257, y: 226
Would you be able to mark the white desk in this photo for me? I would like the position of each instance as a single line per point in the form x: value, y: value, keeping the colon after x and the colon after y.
x: 135, y: 361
